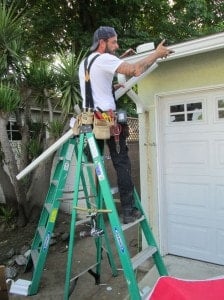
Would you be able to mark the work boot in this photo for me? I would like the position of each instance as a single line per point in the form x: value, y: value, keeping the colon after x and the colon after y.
x: 130, y: 215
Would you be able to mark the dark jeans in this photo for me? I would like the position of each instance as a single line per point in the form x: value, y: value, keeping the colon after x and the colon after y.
x: 122, y: 165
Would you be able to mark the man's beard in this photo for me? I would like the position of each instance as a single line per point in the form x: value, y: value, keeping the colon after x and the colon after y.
x: 107, y: 50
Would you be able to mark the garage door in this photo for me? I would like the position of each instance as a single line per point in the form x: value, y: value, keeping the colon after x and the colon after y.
x: 192, y: 172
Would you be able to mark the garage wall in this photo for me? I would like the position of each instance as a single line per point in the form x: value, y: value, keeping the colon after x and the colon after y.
x: 198, y: 72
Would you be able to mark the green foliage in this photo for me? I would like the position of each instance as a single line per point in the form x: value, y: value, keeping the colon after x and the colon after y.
x: 11, y: 30
x: 55, y: 128
x: 6, y: 214
x: 68, y: 80
x: 9, y: 98
x: 34, y: 148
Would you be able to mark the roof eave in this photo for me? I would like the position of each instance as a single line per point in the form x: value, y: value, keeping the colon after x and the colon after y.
x: 197, y: 46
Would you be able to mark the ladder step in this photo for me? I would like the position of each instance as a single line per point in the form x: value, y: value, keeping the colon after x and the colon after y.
x: 34, y: 254
x: 87, y: 164
x: 143, y: 256
x: 41, y: 231
x: 129, y: 225
x: 80, y: 198
x: 84, y: 271
x: 82, y: 221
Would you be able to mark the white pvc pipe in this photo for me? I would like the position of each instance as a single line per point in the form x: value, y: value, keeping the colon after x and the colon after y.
x: 45, y: 154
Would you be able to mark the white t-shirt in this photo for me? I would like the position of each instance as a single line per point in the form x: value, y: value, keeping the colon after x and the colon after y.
x: 102, y: 72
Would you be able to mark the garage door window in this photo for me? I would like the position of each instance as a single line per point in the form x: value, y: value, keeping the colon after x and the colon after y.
x: 221, y: 109
x: 187, y: 112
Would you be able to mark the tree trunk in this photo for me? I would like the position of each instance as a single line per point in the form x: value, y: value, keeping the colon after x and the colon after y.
x: 23, y: 121
x: 8, y: 189
x: 10, y: 161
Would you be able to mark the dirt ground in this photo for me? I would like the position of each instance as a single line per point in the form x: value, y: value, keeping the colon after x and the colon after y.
x: 53, y: 277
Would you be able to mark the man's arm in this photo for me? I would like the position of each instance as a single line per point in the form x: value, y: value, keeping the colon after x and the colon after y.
x: 141, y: 66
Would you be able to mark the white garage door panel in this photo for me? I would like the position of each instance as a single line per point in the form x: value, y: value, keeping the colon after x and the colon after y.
x: 193, y: 174
x: 196, y: 241
x: 191, y: 239
x: 188, y: 198
x: 218, y: 148
x: 187, y: 154
x: 189, y: 229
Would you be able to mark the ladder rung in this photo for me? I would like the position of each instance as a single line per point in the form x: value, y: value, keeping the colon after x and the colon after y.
x: 48, y: 207
x: 34, y: 254
x: 143, y: 256
x: 129, y: 225
x: 41, y: 230
x: 79, y: 198
x: 71, y: 192
x: 83, y: 221
x: 83, y: 272
x: 87, y: 164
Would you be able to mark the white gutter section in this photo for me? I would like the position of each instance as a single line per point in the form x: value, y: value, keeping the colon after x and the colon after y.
x: 197, y: 46
x: 201, y: 45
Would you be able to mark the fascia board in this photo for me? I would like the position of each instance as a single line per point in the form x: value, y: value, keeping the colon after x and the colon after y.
x: 197, y: 46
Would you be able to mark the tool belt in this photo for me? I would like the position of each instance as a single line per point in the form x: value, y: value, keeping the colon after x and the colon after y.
x: 105, y: 124
x: 103, y: 121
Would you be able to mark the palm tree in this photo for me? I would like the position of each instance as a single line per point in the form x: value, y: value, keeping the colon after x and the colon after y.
x: 68, y: 80
x: 10, y: 50
x: 9, y: 101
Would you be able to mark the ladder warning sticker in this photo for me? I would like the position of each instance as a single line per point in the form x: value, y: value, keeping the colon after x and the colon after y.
x: 70, y: 152
x: 119, y: 240
x: 93, y: 147
x: 53, y: 215
x: 47, y: 241
x: 99, y: 171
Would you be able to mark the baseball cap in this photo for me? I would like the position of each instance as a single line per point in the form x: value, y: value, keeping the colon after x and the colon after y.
x: 104, y: 33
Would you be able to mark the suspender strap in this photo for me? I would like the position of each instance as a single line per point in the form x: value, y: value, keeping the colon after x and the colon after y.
x: 88, y: 89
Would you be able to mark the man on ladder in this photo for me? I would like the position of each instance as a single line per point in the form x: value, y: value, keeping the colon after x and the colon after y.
x: 98, y: 94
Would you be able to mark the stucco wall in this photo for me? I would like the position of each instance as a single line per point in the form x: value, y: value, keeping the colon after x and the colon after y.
x: 184, y: 73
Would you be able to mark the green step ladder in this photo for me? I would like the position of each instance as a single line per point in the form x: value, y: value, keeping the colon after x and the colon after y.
x: 106, y: 204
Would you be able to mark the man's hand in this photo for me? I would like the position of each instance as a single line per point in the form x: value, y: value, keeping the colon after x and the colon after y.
x: 162, y: 51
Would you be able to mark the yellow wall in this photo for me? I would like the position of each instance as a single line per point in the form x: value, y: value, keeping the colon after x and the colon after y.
x: 199, y: 70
